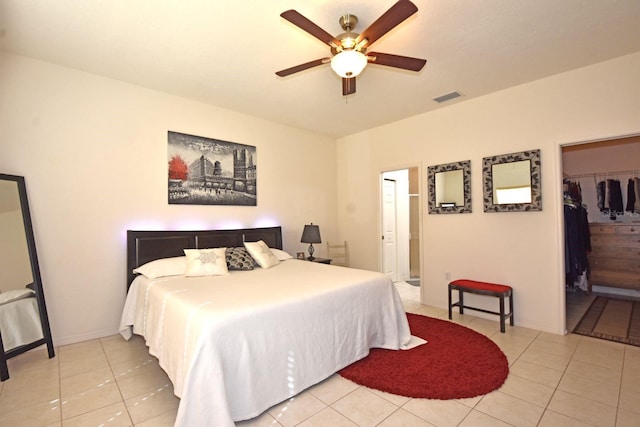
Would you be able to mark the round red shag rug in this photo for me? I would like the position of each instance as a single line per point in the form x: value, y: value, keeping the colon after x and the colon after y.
x: 455, y: 363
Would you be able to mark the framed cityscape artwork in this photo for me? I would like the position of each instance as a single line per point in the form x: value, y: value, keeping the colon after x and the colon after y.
x: 206, y: 171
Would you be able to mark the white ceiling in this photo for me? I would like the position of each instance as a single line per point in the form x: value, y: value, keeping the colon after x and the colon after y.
x: 225, y: 52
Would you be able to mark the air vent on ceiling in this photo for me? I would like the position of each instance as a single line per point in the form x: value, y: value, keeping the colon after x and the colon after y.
x: 447, y: 97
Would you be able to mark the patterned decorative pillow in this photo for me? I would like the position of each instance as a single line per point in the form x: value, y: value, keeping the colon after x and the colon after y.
x: 262, y: 254
x: 206, y: 262
x: 239, y: 259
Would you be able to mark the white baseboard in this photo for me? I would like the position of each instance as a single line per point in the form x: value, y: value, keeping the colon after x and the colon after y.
x: 72, y: 339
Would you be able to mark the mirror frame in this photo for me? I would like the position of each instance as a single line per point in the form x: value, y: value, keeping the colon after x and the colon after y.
x: 536, y: 188
x: 37, y: 283
x: 465, y: 166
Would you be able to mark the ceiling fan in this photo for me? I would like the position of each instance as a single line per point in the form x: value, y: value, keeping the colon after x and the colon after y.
x: 349, y: 50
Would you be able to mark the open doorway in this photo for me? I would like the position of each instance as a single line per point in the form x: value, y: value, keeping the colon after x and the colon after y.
x: 400, y: 228
x: 592, y: 173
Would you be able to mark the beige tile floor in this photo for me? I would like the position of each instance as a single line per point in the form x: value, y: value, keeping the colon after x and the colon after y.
x: 577, y: 304
x: 554, y: 381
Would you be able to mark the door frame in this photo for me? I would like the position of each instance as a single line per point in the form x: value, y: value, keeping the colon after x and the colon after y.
x: 420, y: 193
x: 385, y: 246
x: 559, y: 170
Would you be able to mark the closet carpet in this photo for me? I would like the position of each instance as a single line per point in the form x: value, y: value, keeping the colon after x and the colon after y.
x: 613, y: 320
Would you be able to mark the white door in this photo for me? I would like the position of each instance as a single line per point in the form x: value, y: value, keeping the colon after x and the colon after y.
x: 389, y: 256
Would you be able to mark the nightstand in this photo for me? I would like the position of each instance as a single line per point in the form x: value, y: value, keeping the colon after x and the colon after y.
x: 320, y: 260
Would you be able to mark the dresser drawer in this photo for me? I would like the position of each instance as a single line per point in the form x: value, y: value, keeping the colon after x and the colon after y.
x: 618, y: 279
x: 615, y: 240
x: 620, y: 264
x: 595, y: 228
x: 628, y: 229
x: 614, y: 252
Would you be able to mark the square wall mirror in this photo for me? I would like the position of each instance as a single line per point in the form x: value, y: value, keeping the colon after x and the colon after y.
x: 512, y: 182
x: 450, y: 188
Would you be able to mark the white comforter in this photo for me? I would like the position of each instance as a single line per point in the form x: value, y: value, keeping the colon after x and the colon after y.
x: 235, y: 345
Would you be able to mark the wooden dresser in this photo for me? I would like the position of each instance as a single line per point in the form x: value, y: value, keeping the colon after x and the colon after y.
x: 615, y: 255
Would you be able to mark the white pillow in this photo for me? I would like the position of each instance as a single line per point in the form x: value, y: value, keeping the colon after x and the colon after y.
x: 163, y: 267
x: 262, y: 254
x: 206, y: 262
x: 281, y: 255
x: 15, y: 295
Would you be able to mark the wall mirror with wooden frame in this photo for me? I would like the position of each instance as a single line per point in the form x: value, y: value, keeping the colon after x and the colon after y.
x: 24, y: 324
x: 512, y: 182
x: 450, y: 188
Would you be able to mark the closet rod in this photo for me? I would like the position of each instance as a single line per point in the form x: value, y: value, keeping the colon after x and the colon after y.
x: 604, y: 174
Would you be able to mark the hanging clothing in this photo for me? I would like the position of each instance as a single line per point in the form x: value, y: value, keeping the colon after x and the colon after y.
x: 577, y: 242
x: 636, y: 206
x: 614, y: 198
x: 574, y: 192
x: 631, y: 195
x: 577, y: 237
x: 601, y: 192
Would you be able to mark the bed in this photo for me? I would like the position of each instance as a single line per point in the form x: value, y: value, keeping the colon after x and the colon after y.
x: 236, y: 344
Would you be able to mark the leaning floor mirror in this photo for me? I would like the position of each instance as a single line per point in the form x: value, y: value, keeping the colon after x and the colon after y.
x: 512, y: 182
x: 24, y: 324
x: 450, y: 188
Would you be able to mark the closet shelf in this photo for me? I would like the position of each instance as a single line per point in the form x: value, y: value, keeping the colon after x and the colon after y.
x: 603, y: 175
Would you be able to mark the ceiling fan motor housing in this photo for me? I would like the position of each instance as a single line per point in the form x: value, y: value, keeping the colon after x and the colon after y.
x: 348, y: 22
x: 347, y: 39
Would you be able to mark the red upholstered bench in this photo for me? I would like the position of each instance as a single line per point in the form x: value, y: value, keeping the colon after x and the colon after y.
x: 482, y: 288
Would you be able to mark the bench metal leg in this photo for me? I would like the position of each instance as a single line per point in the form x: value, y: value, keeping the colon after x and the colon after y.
x: 502, y: 313
x: 460, y: 303
x: 511, y: 309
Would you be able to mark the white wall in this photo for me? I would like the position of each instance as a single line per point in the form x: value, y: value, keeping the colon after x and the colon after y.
x: 94, y: 155
x: 524, y: 250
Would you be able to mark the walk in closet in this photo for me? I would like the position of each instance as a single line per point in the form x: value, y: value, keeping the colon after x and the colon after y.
x: 602, y: 216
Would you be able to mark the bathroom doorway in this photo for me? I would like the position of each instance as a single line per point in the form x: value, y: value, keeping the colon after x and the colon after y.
x: 400, y: 225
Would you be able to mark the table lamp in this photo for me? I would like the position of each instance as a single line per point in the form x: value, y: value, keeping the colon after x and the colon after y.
x: 311, y: 235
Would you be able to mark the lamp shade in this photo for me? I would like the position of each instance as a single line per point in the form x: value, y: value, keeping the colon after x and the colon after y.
x: 311, y: 234
x: 348, y: 63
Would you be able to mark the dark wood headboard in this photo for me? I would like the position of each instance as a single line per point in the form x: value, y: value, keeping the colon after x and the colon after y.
x: 145, y: 246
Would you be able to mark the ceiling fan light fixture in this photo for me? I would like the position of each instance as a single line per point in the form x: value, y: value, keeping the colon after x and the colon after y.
x: 348, y: 63
x: 348, y: 42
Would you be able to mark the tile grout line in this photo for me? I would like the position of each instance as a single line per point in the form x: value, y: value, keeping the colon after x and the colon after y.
x: 624, y: 358
x: 555, y: 390
x: 57, y: 350
x: 115, y: 380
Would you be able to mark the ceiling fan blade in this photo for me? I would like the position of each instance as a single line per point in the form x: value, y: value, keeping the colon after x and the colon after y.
x: 301, y: 21
x: 397, y: 61
x: 392, y: 17
x: 348, y: 86
x: 302, y: 67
